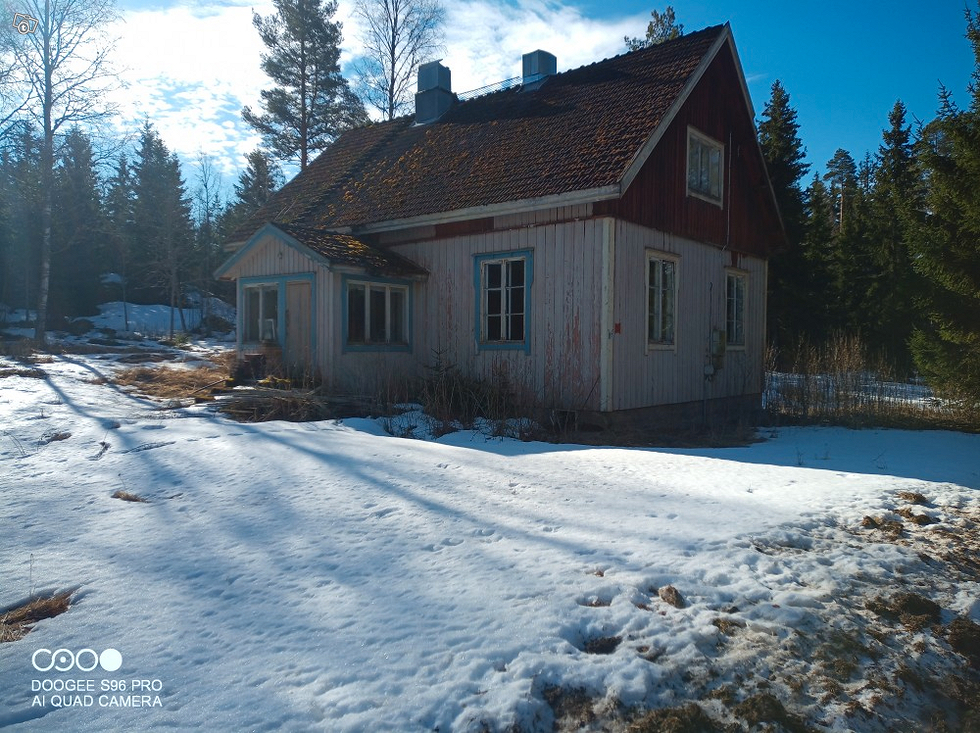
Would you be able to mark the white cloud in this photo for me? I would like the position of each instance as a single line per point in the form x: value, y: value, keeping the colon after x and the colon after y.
x: 189, y: 69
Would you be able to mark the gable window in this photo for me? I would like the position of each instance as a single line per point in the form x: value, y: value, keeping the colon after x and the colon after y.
x: 735, y: 309
x: 504, y: 299
x: 661, y: 300
x: 704, y: 167
x: 261, y: 319
x: 377, y: 314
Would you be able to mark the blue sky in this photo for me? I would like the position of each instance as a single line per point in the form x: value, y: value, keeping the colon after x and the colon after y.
x: 192, y: 66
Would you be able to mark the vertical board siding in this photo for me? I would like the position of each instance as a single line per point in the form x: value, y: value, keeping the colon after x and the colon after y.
x: 270, y: 257
x: 561, y: 365
x: 644, y: 376
x: 657, y: 197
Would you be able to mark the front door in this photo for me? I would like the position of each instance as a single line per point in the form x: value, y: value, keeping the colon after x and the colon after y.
x: 299, y: 334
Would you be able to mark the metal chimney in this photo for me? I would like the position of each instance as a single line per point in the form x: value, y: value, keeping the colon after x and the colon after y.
x: 434, y: 96
x: 538, y: 65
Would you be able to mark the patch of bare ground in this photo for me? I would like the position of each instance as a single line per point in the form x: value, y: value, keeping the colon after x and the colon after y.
x: 888, y: 653
x: 127, y: 496
x: 17, y: 622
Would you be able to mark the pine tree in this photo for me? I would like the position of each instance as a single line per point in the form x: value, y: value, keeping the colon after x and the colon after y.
x: 663, y: 27
x: 784, y: 154
x: 311, y: 102
x: 946, y: 245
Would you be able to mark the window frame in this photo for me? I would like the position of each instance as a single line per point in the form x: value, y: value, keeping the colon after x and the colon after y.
x: 743, y: 277
x: 697, y: 139
x: 264, y: 287
x: 387, y: 286
x: 675, y: 262
x: 481, y: 287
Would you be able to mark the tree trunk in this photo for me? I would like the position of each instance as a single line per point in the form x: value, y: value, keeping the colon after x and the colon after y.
x: 47, y: 184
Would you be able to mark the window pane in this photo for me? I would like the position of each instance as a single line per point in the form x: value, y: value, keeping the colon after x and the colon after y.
x: 660, y: 302
x: 494, y: 303
x: 396, y: 326
x: 516, y: 328
x: 515, y: 300
x: 515, y: 273
x: 376, y: 332
x: 356, y: 317
x: 270, y: 313
x: 493, y: 274
x: 252, y: 314
x: 493, y: 328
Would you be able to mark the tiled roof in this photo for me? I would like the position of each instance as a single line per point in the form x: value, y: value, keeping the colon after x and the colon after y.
x: 348, y: 250
x: 578, y: 131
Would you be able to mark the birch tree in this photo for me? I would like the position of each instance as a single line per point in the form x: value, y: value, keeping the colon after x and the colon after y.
x: 60, y: 57
x: 398, y: 36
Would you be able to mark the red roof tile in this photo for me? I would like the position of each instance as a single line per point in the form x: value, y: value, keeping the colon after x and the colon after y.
x: 578, y: 131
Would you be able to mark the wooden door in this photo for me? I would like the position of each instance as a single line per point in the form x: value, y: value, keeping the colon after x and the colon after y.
x: 299, y: 332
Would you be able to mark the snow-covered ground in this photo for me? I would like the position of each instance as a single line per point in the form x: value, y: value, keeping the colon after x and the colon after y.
x: 327, y: 576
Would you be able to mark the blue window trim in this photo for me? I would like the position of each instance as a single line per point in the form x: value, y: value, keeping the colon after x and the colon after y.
x: 478, y: 260
x: 280, y: 282
x: 354, y: 348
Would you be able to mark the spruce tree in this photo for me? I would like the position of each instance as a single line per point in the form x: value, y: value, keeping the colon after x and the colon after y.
x: 78, y: 228
x: 163, y: 232
x: 119, y: 231
x: 896, y: 208
x: 785, y: 161
x: 311, y: 103
x: 261, y: 178
x: 946, y: 245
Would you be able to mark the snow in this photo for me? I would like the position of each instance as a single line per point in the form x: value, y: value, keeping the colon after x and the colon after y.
x: 327, y: 576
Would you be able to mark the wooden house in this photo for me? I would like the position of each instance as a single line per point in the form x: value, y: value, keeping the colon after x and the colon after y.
x: 598, y: 238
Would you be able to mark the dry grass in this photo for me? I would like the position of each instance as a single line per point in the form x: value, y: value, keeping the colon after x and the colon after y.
x: 17, y: 622
x: 171, y: 382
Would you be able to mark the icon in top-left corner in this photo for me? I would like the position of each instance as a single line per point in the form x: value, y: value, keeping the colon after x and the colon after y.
x: 24, y: 23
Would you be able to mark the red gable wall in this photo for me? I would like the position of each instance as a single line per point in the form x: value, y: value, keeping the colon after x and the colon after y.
x: 658, y: 198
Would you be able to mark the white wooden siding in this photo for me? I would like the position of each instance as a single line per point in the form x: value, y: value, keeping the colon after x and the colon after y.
x: 648, y: 376
x: 561, y: 365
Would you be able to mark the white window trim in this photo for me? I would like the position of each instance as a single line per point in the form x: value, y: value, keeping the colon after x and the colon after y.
x: 694, y: 134
x: 503, y: 260
x: 369, y: 285
x: 652, y: 254
x: 264, y: 289
x: 744, y: 276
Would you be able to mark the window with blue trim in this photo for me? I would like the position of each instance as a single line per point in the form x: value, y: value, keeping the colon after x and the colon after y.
x: 504, y: 300
x: 377, y: 314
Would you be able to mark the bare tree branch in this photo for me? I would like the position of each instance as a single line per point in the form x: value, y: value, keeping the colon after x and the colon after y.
x: 399, y: 35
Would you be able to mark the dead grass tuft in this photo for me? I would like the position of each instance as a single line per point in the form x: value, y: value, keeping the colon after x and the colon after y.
x: 913, y: 497
x: 23, y: 372
x: 18, y: 622
x: 170, y: 382
x: 687, y: 719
